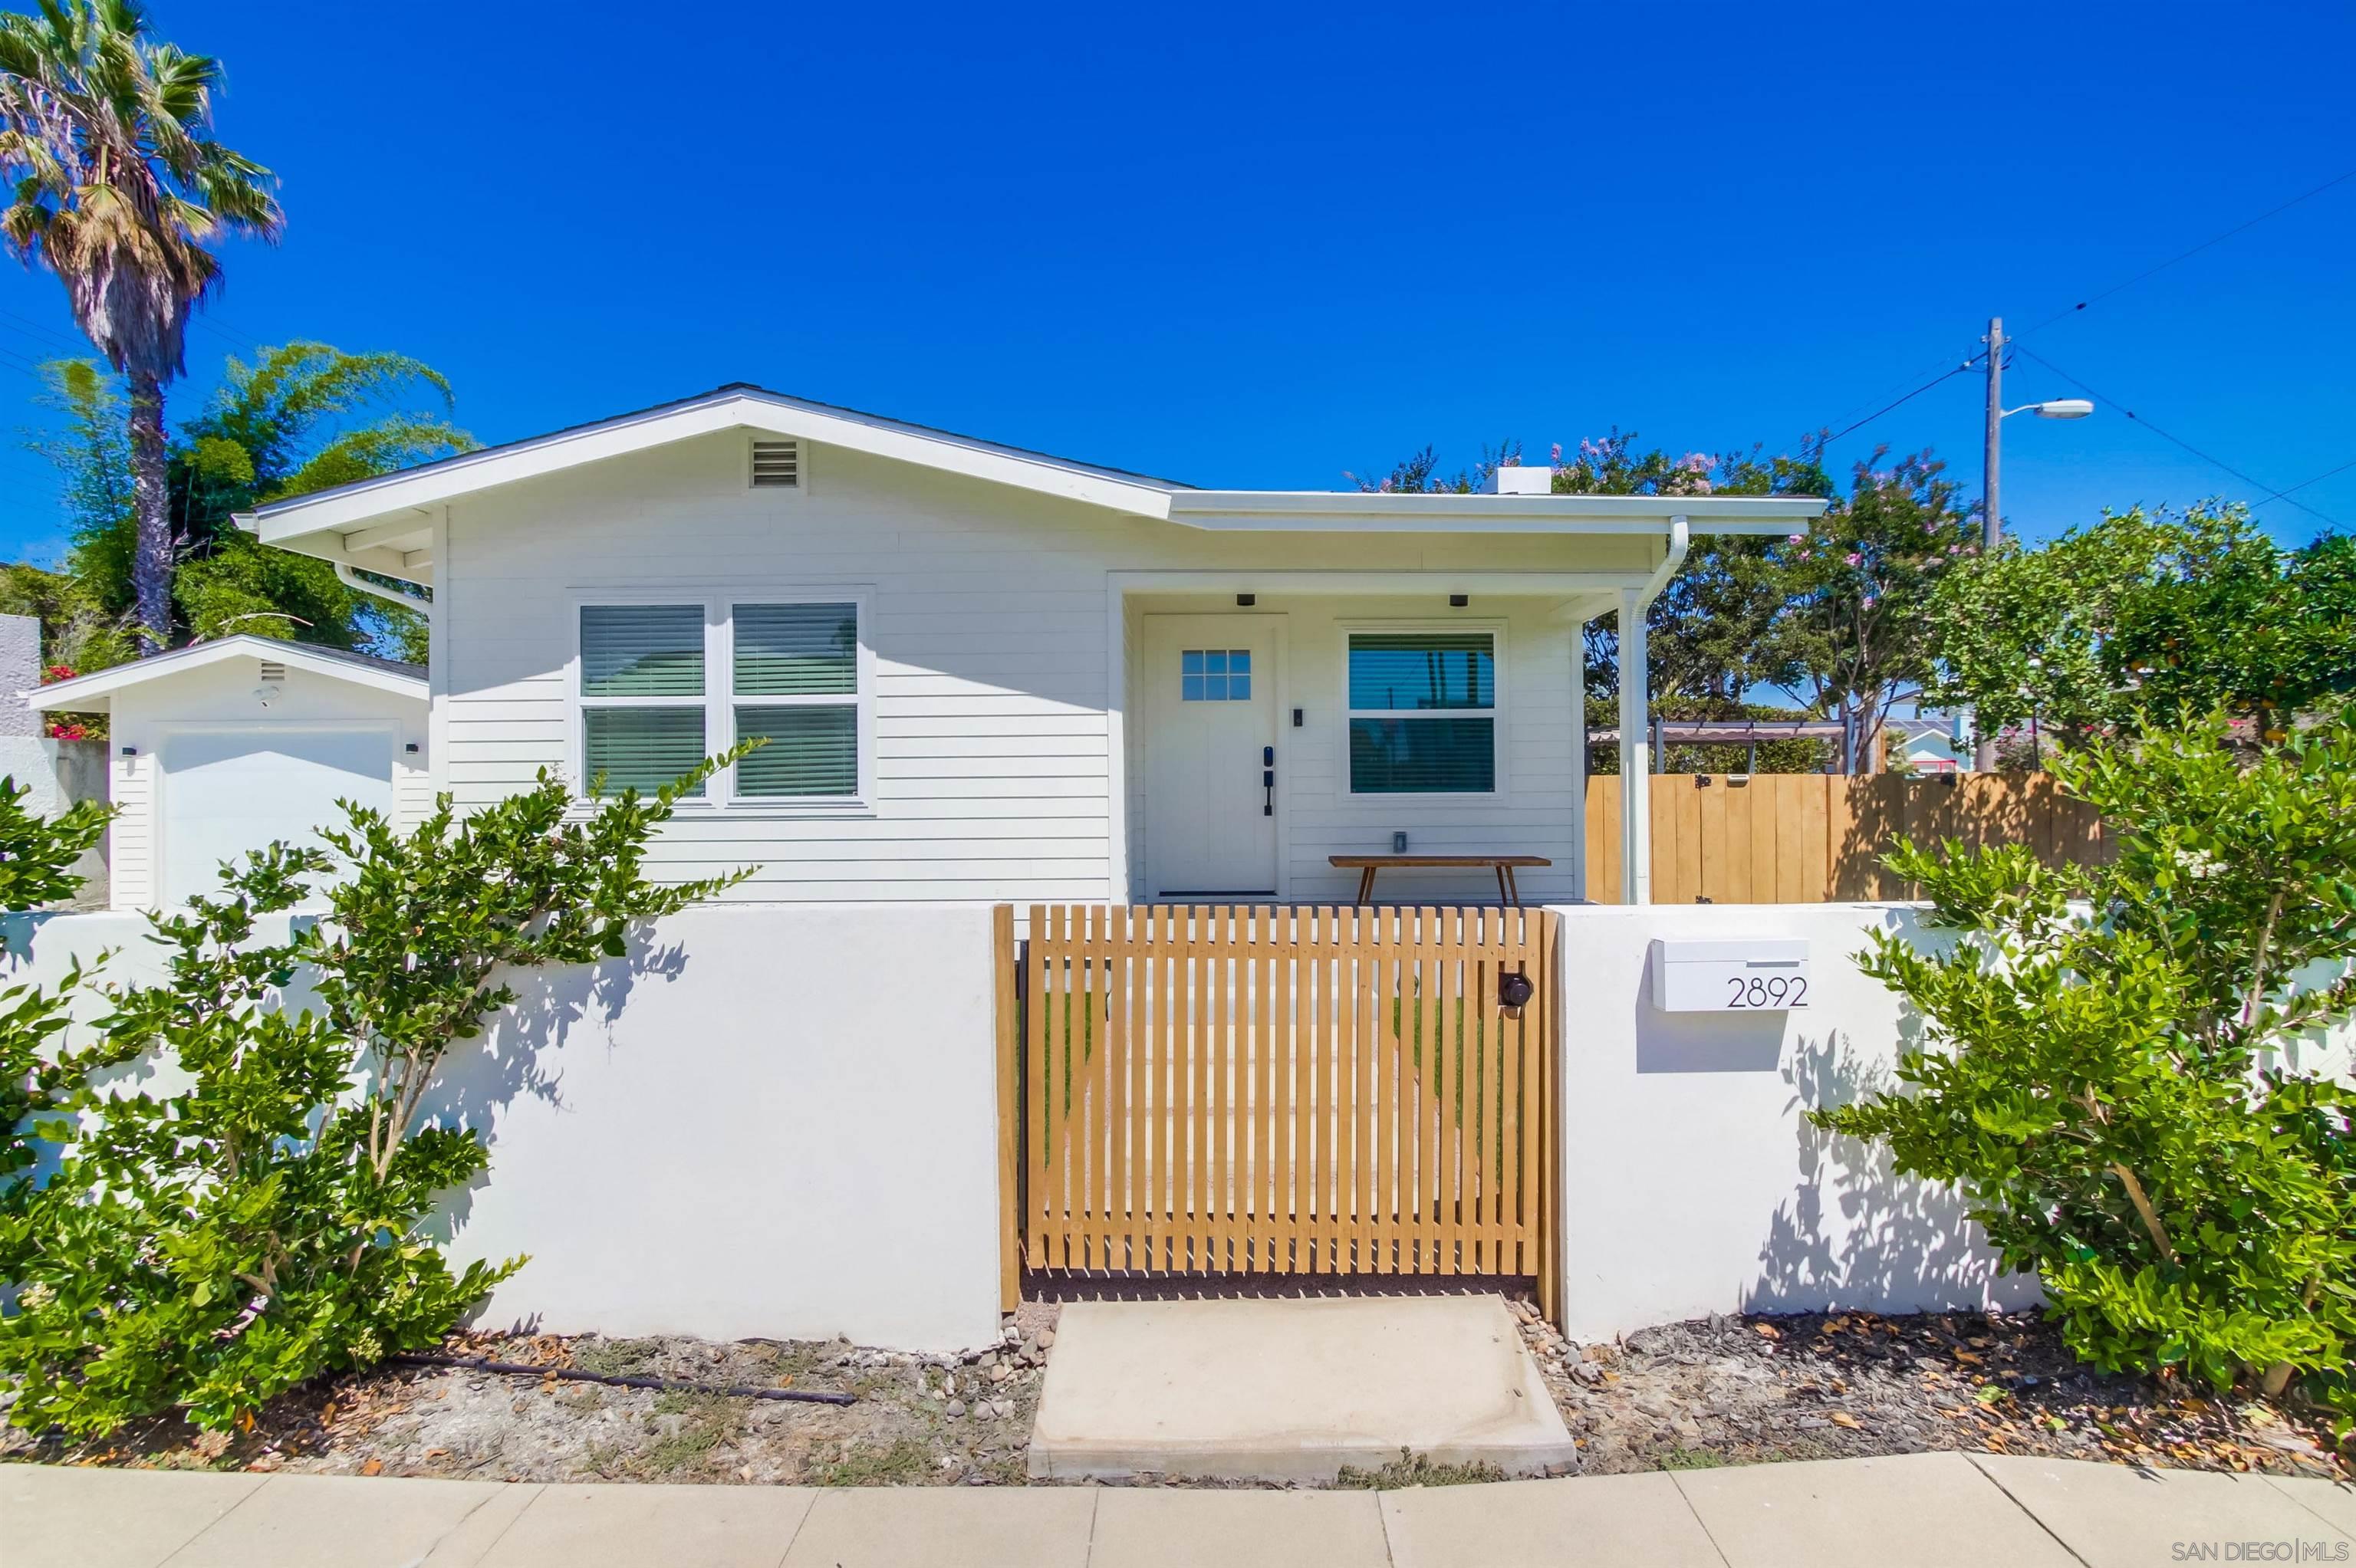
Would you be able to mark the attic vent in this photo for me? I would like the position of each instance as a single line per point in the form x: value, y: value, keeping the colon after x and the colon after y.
x: 273, y: 670
x: 777, y: 464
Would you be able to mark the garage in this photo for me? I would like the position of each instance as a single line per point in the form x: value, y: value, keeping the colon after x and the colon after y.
x: 220, y: 747
x: 221, y: 793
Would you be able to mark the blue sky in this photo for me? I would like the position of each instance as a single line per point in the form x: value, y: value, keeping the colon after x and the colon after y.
x: 1247, y: 247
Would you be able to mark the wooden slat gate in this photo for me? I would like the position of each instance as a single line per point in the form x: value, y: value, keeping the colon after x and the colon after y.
x: 1273, y: 1090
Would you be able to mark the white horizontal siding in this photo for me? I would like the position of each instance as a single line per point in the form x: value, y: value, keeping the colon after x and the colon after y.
x: 988, y: 614
x: 130, y: 837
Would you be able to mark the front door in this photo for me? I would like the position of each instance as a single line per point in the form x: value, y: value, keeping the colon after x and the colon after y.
x: 1209, y: 696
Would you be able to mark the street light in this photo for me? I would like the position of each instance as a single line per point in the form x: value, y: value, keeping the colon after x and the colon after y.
x: 1992, y: 520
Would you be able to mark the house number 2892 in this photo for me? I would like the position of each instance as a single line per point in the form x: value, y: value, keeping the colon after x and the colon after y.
x: 1767, y: 991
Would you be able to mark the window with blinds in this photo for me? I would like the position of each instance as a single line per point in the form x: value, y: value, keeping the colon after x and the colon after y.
x: 1423, y: 712
x: 662, y: 686
x: 642, y: 721
x: 796, y: 686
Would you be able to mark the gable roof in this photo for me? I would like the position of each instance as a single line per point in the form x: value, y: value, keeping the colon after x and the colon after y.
x: 738, y: 405
x: 384, y: 524
x: 91, y: 693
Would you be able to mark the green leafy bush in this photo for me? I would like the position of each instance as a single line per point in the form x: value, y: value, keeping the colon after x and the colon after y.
x: 36, y: 858
x: 206, y: 1246
x: 38, y: 854
x: 2107, y: 1074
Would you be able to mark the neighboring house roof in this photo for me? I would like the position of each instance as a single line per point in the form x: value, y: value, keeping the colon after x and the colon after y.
x: 91, y: 693
x: 383, y: 524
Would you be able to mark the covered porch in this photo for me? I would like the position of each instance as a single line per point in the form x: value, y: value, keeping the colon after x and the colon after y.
x: 1267, y: 722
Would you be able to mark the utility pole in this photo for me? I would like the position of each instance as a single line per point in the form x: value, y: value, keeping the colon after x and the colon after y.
x: 1991, y: 520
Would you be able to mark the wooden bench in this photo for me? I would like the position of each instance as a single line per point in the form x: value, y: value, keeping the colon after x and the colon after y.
x: 1503, y: 865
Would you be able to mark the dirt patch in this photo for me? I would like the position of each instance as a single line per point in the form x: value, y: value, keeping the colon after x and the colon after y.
x: 917, y: 1420
x: 1745, y: 1390
x: 1686, y: 1395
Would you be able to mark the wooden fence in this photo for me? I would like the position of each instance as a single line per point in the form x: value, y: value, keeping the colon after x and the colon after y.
x: 1819, y: 838
x: 1269, y: 1090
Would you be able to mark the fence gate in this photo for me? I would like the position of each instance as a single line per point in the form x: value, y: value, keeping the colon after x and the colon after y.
x: 1274, y: 1090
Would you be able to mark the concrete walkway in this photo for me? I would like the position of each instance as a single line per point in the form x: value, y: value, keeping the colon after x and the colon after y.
x: 1292, y: 1389
x: 1925, y: 1510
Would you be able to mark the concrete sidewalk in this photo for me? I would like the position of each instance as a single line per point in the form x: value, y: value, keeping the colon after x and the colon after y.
x: 1925, y: 1510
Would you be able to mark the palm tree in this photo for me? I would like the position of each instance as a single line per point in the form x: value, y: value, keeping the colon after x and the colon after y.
x: 119, y: 184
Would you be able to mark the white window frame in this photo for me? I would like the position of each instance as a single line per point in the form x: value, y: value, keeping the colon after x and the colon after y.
x: 719, y: 701
x: 1494, y: 630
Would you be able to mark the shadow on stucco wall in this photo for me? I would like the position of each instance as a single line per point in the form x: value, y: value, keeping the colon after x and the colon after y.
x: 1855, y: 1233
x: 518, y: 1053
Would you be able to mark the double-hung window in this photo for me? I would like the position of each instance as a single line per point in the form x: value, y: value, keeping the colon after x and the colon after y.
x: 795, y: 670
x: 663, y: 685
x: 1423, y: 712
x: 642, y: 694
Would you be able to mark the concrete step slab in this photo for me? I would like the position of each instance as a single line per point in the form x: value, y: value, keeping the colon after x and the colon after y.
x: 1292, y: 1390
x: 1155, y: 1527
x: 346, y: 1521
x: 109, y: 1519
x: 631, y: 1527
x: 2112, y: 1515
x: 925, y: 1527
x: 1547, y: 1524
x: 1926, y: 1510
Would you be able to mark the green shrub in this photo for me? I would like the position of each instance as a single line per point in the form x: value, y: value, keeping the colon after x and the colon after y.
x: 2106, y: 1075
x: 204, y: 1248
x: 38, y: 854
x: 37, y: 1077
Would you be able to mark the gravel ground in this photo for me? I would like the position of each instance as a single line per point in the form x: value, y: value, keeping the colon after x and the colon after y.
x: 1683, y: 1395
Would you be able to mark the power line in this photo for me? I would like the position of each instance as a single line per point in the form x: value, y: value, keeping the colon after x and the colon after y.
x: 1908, y: 398
x: 2114, y: 288
x: 2187, y: 255
x: 32, y: 328
x: 209, y: 324
x: 2305, y: 483
x: 2179, y: 441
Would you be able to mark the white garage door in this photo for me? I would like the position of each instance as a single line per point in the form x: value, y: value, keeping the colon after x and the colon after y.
x: 229, y: 791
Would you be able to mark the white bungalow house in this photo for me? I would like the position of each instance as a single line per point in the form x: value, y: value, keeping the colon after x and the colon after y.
x: 987, y: 674
x: 221, y: 747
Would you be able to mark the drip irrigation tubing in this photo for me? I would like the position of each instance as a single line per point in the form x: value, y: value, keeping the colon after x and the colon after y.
x: 620, y: 1380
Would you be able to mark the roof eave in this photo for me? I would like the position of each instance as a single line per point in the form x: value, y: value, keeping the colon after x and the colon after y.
x: 1281, y: 511
x: 351, y: 508
x: 93, y: 693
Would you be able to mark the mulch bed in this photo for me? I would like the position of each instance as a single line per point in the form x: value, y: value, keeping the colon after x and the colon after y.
x: 1736, y: 1390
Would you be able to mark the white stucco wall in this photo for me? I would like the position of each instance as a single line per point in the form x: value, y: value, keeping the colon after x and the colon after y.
x: 997, y: 625
x: 766, y: 1121
x: 1691, y: 1182
x: 222, y: 693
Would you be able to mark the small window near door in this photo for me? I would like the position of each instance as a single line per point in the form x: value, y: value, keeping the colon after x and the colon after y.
x: 1423, y: 709
x: 1214, y: 675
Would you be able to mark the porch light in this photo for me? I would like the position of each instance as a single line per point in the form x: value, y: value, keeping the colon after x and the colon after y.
x: 1459, y: 600
x: 1515, y: 991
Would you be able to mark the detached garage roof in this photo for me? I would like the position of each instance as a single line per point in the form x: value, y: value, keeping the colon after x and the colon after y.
x: 91, y: 693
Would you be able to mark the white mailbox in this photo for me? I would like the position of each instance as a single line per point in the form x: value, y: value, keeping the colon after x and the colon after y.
x: 1768, y: 975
